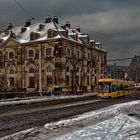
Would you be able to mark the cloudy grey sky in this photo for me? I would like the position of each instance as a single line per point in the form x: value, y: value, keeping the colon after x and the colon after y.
x: 116, y: 23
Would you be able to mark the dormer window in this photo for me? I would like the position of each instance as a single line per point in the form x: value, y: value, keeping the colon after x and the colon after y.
x: 1, y: 40
x: 34, y: 36
x: 41, y: 26
x: 49, y: 34
x: 31, y: 53
x: 23, y: 29
x: 55, y: 34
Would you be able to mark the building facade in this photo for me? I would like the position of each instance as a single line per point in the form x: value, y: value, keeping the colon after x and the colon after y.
x: 48, y: 56
x: 134, y: 69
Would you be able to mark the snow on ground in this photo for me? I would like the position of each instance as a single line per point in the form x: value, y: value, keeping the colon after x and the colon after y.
x: 118, y: 128
x: 109, y: 123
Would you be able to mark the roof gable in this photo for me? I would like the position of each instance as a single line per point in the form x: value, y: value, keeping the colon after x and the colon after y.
x: 9, y: 42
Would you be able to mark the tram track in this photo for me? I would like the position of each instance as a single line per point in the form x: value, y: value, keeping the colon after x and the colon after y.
x: 18, y: 120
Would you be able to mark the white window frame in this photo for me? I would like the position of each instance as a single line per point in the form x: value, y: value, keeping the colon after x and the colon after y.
x: 11, y: 51
x: 69, y: 49
x: 85, y: 54
x: 31, y: 49
x: 49, y: 34
x: 49, y: 55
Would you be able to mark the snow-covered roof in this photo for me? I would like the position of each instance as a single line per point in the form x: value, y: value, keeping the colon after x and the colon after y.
x: 24, y: 37
x: 83, y: 35
x: 22, y: 34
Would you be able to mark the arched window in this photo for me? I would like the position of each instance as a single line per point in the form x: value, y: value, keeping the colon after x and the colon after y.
x: 68, y: 69
x: 31, y: 75
x: 11, y: 71
x: 67, y: 80
x: 31, y: 70
x: 12, y: 81
x: 68, y: 52
x: 49, y: 79
x: 31, y: 82
x: 77, y: 69
x: 49, y: 69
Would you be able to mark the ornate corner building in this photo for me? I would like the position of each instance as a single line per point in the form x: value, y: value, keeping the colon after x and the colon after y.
x: 48, y: 56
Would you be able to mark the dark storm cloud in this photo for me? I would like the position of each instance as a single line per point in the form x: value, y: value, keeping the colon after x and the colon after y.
x: 116, y: 23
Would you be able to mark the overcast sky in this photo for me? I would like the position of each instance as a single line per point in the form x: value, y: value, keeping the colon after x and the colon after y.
x: 115, y: 23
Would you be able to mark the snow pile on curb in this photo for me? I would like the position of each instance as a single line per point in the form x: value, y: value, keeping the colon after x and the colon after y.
x: 18, y: 136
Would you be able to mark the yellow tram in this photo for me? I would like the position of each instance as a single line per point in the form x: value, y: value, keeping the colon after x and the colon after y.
x: 111, y: 88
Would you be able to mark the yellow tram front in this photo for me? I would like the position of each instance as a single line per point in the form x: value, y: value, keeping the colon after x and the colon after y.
x: 104, y: 88
x: 111, y: 88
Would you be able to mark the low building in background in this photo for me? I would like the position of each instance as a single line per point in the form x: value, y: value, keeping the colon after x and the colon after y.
x: 117, y: 71
x: 48, y: 56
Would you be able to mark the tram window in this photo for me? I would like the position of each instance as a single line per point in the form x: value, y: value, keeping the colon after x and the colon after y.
x: 126, y: 86
x: 121, y: 87
x: 114, y: 88
x: 104, y: 87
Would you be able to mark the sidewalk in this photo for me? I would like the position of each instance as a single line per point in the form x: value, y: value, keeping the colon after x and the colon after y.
x: 39, y: 99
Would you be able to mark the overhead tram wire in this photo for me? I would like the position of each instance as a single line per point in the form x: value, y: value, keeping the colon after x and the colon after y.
x: 23, y: 9
x: 3, y: 28
x: 120, y: 59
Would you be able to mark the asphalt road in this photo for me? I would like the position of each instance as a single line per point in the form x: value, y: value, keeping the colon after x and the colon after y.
x: 12, y: 121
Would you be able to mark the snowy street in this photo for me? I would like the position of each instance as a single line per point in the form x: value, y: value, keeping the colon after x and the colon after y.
x: 117, y: 122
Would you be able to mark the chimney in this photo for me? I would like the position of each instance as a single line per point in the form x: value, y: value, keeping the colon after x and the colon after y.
x: 93, y: 43
x: 12, y: 34
x: 68, y: 24
x: 101, y: 46
x: 55, y: 19
x: 78, y: 28
x: 48, y: 19
x: 27, y: 23
x: 98, y: 44
x: 10, y: 26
